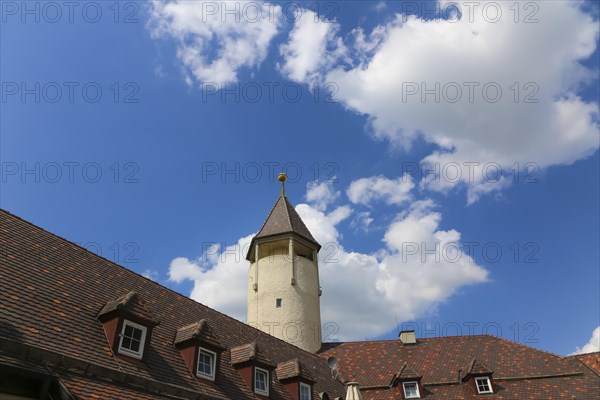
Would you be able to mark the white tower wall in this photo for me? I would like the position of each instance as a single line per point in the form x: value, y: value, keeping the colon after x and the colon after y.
x: 296, y: 284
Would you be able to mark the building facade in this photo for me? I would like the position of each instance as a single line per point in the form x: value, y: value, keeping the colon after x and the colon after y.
x: 74, y: 325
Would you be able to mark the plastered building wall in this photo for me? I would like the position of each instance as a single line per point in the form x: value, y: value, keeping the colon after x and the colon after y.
x: 298, y: 319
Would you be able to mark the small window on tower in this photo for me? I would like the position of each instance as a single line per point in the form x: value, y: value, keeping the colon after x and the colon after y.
x: 278, y: 303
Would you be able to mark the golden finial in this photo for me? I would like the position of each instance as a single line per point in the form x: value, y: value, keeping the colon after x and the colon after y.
x: 282, y: 178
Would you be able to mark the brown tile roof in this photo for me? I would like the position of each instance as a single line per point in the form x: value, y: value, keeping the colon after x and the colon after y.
x: 198, y: 330
x: 52, y: 291
x: 292, y: 369
x: 476, y: 368
x: 283, y: 219
x: 131, y: 304
x: 250, y: 351
x: 406, y: 372
x: 441, y: 361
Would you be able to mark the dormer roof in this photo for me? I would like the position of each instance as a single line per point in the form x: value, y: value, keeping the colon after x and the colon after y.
x: 283, y: 219
x: 247, y: 352
x: 476, y: 368
x: 407, y: 373
x: 199, y: 331
x: 129, y: 304
x: 292, y: 369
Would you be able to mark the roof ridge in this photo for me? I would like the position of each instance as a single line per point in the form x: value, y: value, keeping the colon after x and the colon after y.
x: 288, y: 204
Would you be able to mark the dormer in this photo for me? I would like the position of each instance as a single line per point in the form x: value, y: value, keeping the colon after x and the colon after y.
x: 296, y: 379
x: 254, y: 368
x: 408, y: 383
x: 200, y: 349
x: 128, y: 326
x: 479, y: 378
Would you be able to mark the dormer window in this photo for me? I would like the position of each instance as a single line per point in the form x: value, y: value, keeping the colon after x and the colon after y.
x: 133, y: 337
x: 483, y: 385
x: 200, y: 349
x: 261, y: 381
x: 305, y: 391
x: 206, y: 363
x: 411, y: 390
x: 408, y: 382
x: 126, y: 337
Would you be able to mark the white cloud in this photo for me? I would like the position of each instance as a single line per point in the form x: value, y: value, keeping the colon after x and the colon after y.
x: 363, y: 294
x: 409, y: 55
x: 592, y: 346
x: 399, y: 282
x: 311, y: 48
x: 216, y: 39
x: 362, y: 220
x: 321, y: 194
x: 393, y: 191
x: 151, y: 274
x: 220, y: 277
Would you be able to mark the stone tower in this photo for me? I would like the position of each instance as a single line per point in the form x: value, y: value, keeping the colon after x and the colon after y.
x: 283, y: 279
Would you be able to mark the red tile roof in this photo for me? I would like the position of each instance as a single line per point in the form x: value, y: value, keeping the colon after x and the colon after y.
x: 519, y: 371
x: 590, y: 360
x: 53, y: 290
x: 476, y: 368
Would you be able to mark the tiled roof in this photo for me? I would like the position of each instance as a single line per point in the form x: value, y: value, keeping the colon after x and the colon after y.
x: 129, y: 303
x: 476, y: 368
x: 590, y: 360
x: 250, y: 351
x: 520, y: 371
x: 292, y: 369
x: 406, y: 372
x: 282, y: 219
x: 52, y: 291
x: 198, y: 330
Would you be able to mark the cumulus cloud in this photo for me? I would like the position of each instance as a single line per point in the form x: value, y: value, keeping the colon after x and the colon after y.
x: 151, y: 274
x: 216, y: 39
x: 321, y: 194
x: 486, y: 90
x: 400, y: 281
x: 220, y: 277
x: 592, y: 346
x: 312, y: 47
x: 393, y: 191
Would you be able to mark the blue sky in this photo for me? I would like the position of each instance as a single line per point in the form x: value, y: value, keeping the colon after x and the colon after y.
x: 152, y: 131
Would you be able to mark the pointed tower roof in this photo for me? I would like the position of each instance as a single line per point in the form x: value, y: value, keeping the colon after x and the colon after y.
x: 283, y: 219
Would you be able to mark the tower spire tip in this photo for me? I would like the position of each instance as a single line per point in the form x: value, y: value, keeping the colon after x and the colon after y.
x: 282, y: 178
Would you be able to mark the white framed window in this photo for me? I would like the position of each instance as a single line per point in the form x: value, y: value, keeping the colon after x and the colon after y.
x: 411, y: 390
x: 261, y: 381
x: 278, y: 303
x: 206, y: 364
x: 305, y: 391
x: 483, y: 385
x: 133, y: 338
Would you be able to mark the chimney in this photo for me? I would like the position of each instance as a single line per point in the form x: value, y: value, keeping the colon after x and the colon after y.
x: 408, y: 337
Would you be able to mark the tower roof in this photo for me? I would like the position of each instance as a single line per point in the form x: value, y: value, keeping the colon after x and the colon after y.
x: 283, y: 219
